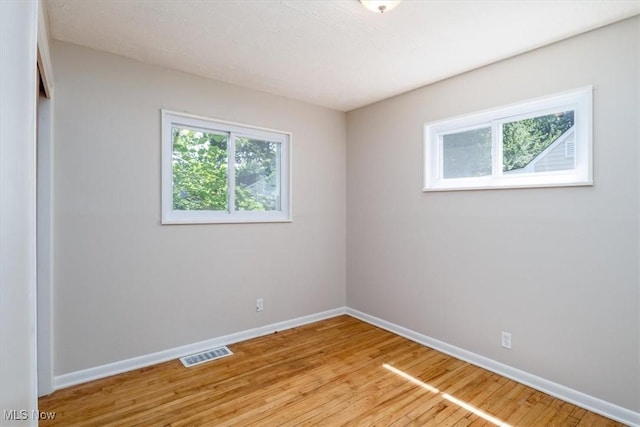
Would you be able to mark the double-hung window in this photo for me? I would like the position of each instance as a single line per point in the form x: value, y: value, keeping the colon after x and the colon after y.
x: 219, y: 172
x: 540, y: 143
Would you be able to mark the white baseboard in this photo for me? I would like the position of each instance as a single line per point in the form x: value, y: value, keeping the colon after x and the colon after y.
x: 567, y: 394
x: 85, y: 375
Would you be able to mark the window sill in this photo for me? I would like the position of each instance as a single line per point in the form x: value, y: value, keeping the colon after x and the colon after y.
x: 503, y: 186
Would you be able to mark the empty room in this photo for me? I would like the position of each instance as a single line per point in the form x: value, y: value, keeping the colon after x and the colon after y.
x: 320, y: 212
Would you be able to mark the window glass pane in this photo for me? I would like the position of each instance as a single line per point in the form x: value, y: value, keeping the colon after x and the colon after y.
x: 199, y: 168
x: 467, y: 154
x: 257, y: 175
x: 539, y: 144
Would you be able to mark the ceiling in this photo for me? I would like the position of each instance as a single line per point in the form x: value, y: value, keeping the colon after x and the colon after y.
x: 333, y: 53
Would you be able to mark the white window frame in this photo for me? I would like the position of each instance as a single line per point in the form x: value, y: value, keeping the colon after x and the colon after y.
x: 578, y: 100
x: 171, y: 216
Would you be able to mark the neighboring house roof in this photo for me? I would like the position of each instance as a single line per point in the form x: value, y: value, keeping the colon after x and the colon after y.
x: 264, y: 185
x: 560, y: 155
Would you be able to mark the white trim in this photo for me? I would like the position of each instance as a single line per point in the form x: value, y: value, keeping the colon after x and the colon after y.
x: 85, y: 375
x: 44, y: 243
x: 227, y: 122
x: 231, y: 175
x: 170, y: 216
x: 44, y: 57
x: 578, y: 100
x: 44, y: 207
x: 567, y: 394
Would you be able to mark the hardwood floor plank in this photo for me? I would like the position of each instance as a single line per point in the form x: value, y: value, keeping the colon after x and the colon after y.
x: 550, y: 413
x: 339, y: 371
x: 513, y: 402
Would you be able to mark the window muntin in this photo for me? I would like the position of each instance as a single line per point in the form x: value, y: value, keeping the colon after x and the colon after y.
x: 540, y: 143
x: 220, y: 172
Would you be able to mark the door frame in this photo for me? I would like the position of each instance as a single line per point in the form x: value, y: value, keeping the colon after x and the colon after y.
x: 44, y: 210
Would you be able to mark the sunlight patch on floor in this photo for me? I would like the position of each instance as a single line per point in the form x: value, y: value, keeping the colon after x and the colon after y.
x: 446, y: 396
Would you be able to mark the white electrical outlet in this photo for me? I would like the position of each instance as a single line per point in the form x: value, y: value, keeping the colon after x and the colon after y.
x: 506, y: 340
x: 259, y: 304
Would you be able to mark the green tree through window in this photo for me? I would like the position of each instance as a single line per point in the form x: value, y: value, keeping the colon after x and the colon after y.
x: 524, y: 140
x: 200, y: 162
x: 200, y: 167
x: 257, y: 176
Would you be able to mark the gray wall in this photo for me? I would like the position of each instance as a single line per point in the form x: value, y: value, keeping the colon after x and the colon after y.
x: 125, y: 285
x: 557, y: 268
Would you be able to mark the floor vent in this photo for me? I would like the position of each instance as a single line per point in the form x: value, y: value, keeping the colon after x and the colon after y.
x: 205, y: 356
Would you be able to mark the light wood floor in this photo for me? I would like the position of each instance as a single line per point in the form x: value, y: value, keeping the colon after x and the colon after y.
x: 335, y: 372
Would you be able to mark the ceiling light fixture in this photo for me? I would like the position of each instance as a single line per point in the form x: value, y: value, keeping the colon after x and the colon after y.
x: 380, y: 6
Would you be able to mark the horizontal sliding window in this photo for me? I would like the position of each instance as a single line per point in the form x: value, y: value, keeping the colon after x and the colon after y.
x: 540, y: 143
x: 214, y: 172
